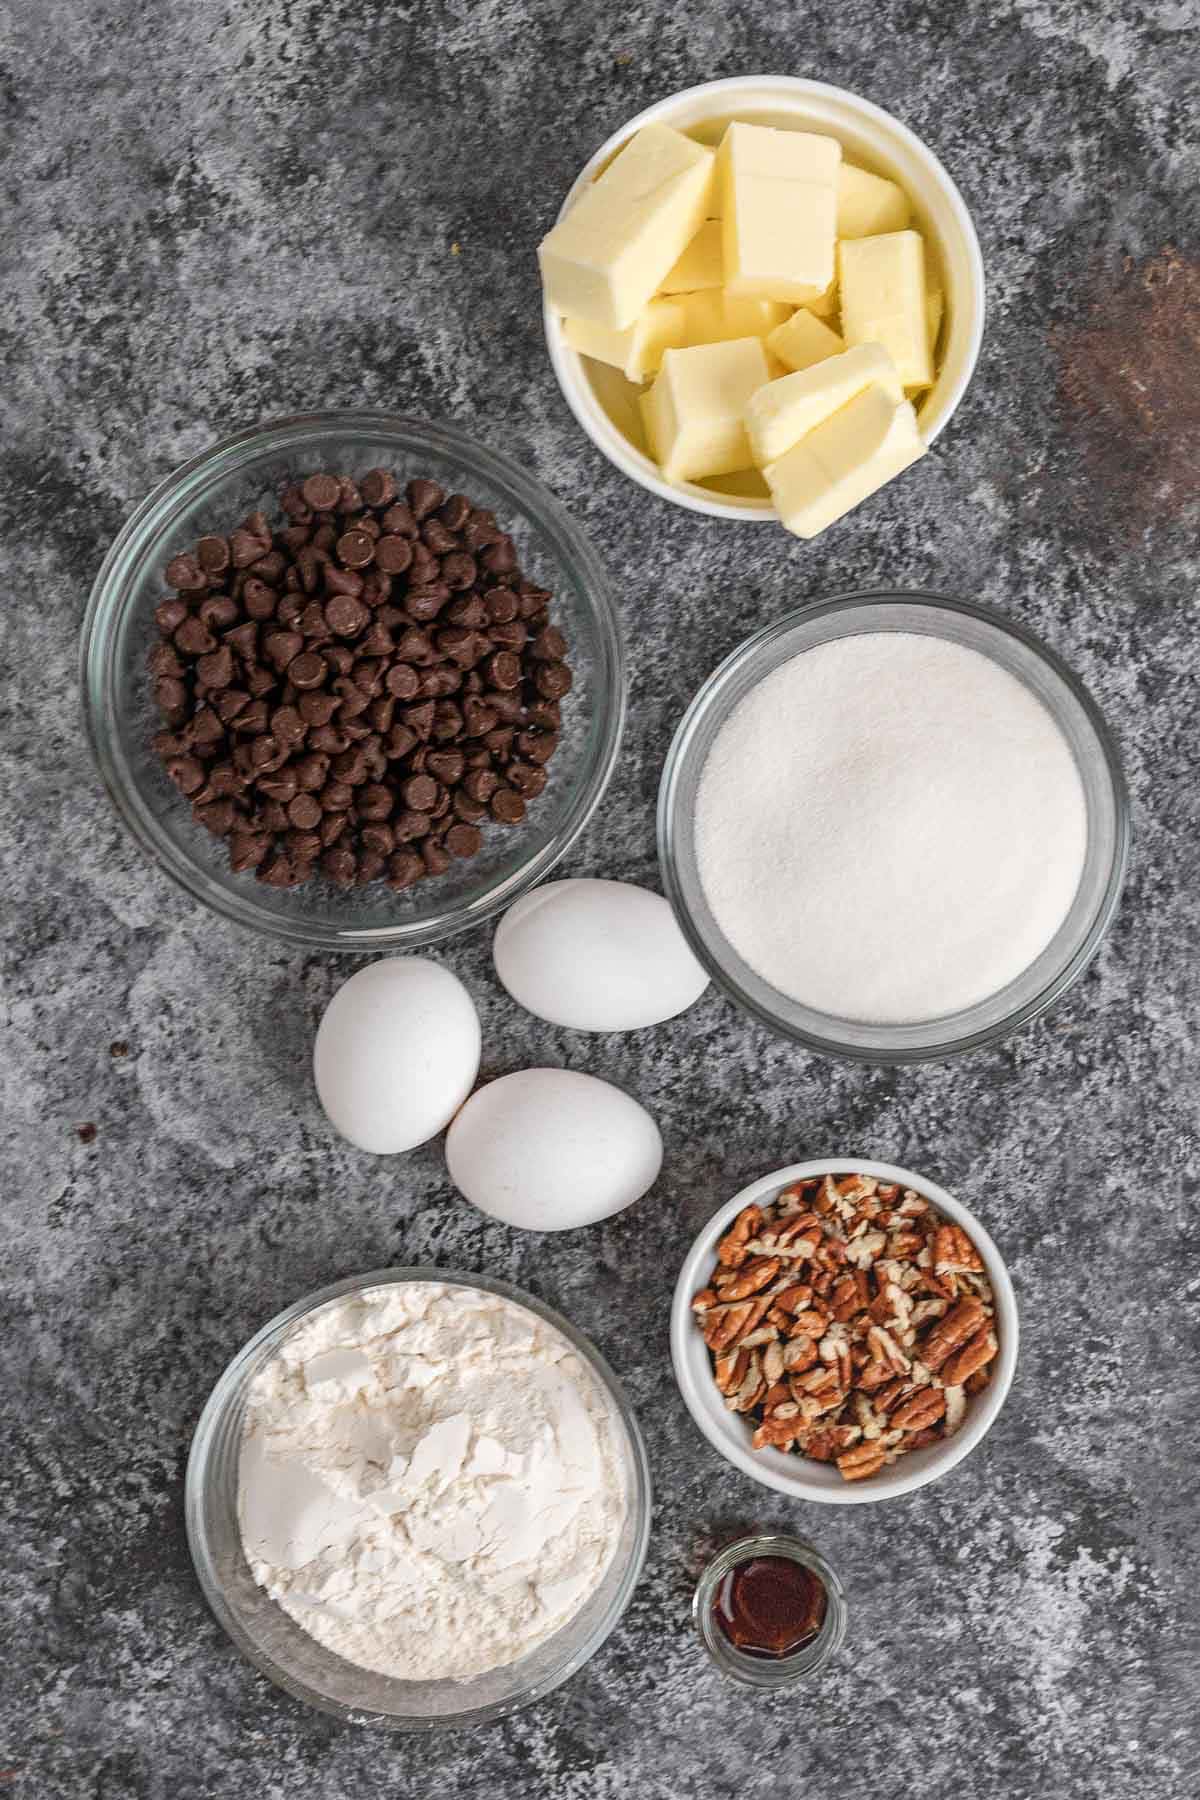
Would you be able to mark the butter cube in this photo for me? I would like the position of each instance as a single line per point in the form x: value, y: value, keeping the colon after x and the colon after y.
x: 607, y: 257
x: 701, y: 265
x: 803, y: 340
x: 784, y: 411
x: 695, y: 410
x: 638, y: 350
x: 935, y: 306
x: 850, y: 456
x: 868, y: 205
x: 779, y: 211
x: 883, y: 300
x: 715, y: 316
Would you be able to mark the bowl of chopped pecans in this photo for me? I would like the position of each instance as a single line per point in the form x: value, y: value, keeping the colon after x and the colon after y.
x: 844, y: 1331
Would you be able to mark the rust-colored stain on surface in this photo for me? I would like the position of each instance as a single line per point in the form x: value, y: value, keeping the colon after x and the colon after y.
x: 1129, y: 384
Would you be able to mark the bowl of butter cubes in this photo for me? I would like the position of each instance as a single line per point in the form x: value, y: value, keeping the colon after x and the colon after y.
x: 763, y: 299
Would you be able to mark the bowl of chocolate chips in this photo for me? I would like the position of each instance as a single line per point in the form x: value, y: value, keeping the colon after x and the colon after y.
x: 353, y: 680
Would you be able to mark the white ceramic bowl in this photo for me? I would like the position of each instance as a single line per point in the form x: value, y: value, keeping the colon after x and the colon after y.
x: 603, y: 401
x: 799, y: 1477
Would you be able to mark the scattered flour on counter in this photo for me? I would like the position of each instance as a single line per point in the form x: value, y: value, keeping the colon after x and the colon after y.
x: 430, y: 1480
x: 890, y: 827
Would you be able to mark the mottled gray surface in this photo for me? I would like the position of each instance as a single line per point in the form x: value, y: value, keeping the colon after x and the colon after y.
x: 218, y: 213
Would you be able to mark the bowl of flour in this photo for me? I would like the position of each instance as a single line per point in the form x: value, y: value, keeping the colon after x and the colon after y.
x: 893, y: 826
x: 418, y: 1499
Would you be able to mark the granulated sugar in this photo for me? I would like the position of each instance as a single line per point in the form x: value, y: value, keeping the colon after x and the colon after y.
x: 890, y: 827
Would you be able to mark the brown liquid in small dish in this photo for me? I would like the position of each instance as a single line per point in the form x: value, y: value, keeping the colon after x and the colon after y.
x: 770, y: 1606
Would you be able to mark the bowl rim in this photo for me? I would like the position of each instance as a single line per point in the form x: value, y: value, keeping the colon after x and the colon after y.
x: 770, y: 1467
x: 228, y: 1391
x: 109, y: 598
x: 1038, y: 1003
x: 565, y: 361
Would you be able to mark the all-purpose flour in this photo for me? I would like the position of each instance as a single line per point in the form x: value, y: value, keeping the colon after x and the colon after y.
x: 430, y: 1479
x: 890, y: 827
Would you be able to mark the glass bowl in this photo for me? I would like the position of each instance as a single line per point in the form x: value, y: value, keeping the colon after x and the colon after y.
x: 977, y: 628
x: 293, y: 1660
x: 250, y: 470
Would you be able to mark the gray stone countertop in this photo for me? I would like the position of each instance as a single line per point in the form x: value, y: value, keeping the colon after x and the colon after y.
x: 218, y: 213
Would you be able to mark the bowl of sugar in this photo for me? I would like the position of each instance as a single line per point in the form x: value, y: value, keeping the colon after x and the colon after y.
x: 893, y: 826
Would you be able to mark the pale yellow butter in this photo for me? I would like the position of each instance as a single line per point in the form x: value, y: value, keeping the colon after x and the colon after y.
x: 779, y: 209
x: 637, y: 351
x: 868, y: 204
x: 803, y: 340
x: 784, y: 411
x: 702, y: 264
x: 607, y: 257
x: 935, y: 306
x: 883, y: 300
x: 716, y: 316
x: 851, y: 455
x: 694, y: 412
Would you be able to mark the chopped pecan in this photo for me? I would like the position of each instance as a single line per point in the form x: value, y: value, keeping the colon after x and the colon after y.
x: 863, y: 1460
x: 975, y: 1384
x: 776, y: 1432
x: 729, y: 1370
x: 917, y: 1440
x: 886, y: 1350
x: 921, y: 1409
x: 851, y: 1295
x: 702, y: 1301
x: 975, y: 1354
x: 954, y: 1251
x: 799, y: 1353
x: 751, y: 1278
x: 960, y: 1323
x: 731, y: 1250
x: 956, y: 1409
x: 827, y: 1442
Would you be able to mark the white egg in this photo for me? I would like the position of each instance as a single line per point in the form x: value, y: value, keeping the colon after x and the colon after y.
x: 547, y: 1149
x: 596, y: 956
x: 397, y: 1053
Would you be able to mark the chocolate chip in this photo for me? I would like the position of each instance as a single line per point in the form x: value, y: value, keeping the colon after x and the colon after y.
x: 553, y: 680
x: 219, y: 611
x: 425, y: 603
x: 378, y: 487
x: 247, y: 850
x: 355, y: 549
x: 307, y: 670
x: 503, y: 670
x: 420, y: 793
x: 194, y: 638
x: 376, y: 801
x: 245, y: 548
x: 470, y: 811
x: 212, y: 553
x: 287, y: 726
x: 170, y: 614
x: 404, y: 869
x: 393, y: 554
x: 186, y: 575
x: 508, y: 807
x: 304, y: 812
x: 346, y: 616
x: 316, y: 709
x: 434, y: 857
x: 501, y: 604
x: 458, y: 570
x: 350, y: 498
x: 187, y: 773
x: 321, y: 492
x: 527, y: 779
x: 499, y: 558
x: 423, y: 496
x: 259, y: 600
x: 216, y: 669
x: 401, y: 519
x: 342, y: 581
x: 463, y: 841
x: 282, y: 647
x: 402, y: 681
